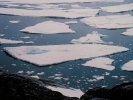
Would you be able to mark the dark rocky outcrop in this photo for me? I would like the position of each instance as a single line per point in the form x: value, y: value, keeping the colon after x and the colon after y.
x: 15, y: 87
x: 120, y: 92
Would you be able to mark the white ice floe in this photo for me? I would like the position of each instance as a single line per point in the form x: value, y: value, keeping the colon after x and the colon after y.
x: 7, y: 41
x: 98, y: 77
x: 129, y: 32
x: 93, y: 37
x: 70, y: 92
x: 110, y: 22
x: 58, y: 1
x: 14, y: 21
x: 128, y: 66
x: 71, y: 22
x: 118, y: 8
x: 102, y: 63
x: 54, y: 54
x: 41, y: 73
x: 70, y: 13
x: 48, y: 27
x: 35, y: 76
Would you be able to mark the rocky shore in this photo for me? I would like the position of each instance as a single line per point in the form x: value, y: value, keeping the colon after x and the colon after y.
x: 16, y: 87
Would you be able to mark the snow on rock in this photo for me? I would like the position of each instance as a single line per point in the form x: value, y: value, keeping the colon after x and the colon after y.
x: 14, y: 21
x: 54, y: 54
x: 101, y: 62
x: 70, y: 92
x: 110, y: 22
x: 70, y: 13
x: 129, y: 32
x: 7, y: 41
x: 48, y: 27
x: 128, y: 66
x: 118, y: 8
x: 58, y: 1
x: 93, y: 37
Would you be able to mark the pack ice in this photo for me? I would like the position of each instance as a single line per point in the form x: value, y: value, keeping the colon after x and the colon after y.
x: 110, y: 21
x: 48, y: 27
x: 63, y: 13
x: 54, y: 54
x: 118, y: 8
x: 58, y: 1
x: 101, y: 62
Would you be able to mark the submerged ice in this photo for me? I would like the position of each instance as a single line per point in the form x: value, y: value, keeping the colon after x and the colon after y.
x: 54, y: 54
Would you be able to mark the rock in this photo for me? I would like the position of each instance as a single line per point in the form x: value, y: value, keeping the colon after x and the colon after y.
x: 15, y: 87
x: 120, y: 92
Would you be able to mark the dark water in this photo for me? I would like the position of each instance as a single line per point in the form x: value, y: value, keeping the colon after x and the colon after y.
x: 72, y: 73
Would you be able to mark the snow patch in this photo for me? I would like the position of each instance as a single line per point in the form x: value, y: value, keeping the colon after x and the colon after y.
x: 110, y: 22
x: 102, y: 63
x: 48, y: 27
x: 54, y: 54
x: 66, y: 91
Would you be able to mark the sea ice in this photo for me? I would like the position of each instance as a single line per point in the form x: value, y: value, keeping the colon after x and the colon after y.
x: 70, y: 92
x: 102, y: 63
x: 58, y: 1
x: 54, y: 54
x: 118, y: 8
x: 129, y: 32
x: 7, y: 41
x: 71, y: 22
x: 14, y: 21
x: 128, y: 66
x: 110, y: 22
x: 70, y: 13
x: 48, y: 27
x: 93, y: 37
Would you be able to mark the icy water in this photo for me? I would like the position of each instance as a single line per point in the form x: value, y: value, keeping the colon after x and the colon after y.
x: 71, y: 73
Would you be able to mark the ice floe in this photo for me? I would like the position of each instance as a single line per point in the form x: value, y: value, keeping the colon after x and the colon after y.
x: 70, y: 13
x: 14, y: 21
x: 71, y: 22
x: 58, y: 1
x: 102, y: 63
x: 110, y: 21
x: 128, y: 66
x: 93, y: 37
x: 129, y: 32
x: 70, y: 92
x: 48, y: 27
x: 118, y: 8
x: 7, y: 41
x: 2, y: 35
x: 54, y: 54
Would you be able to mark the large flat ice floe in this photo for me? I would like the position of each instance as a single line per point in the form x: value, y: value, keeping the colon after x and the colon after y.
x: 70, y: 13
x: 118, y: 8
x: 7, y: 41
x: 129, y: 32
x: 58, y: 1
x: 48, y: 27
x: 54, y: 54
x: 67, y: 92
x: 101, y: 62
x: 93, y: 37
x: 110, y: 22
x: 128, y: 66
